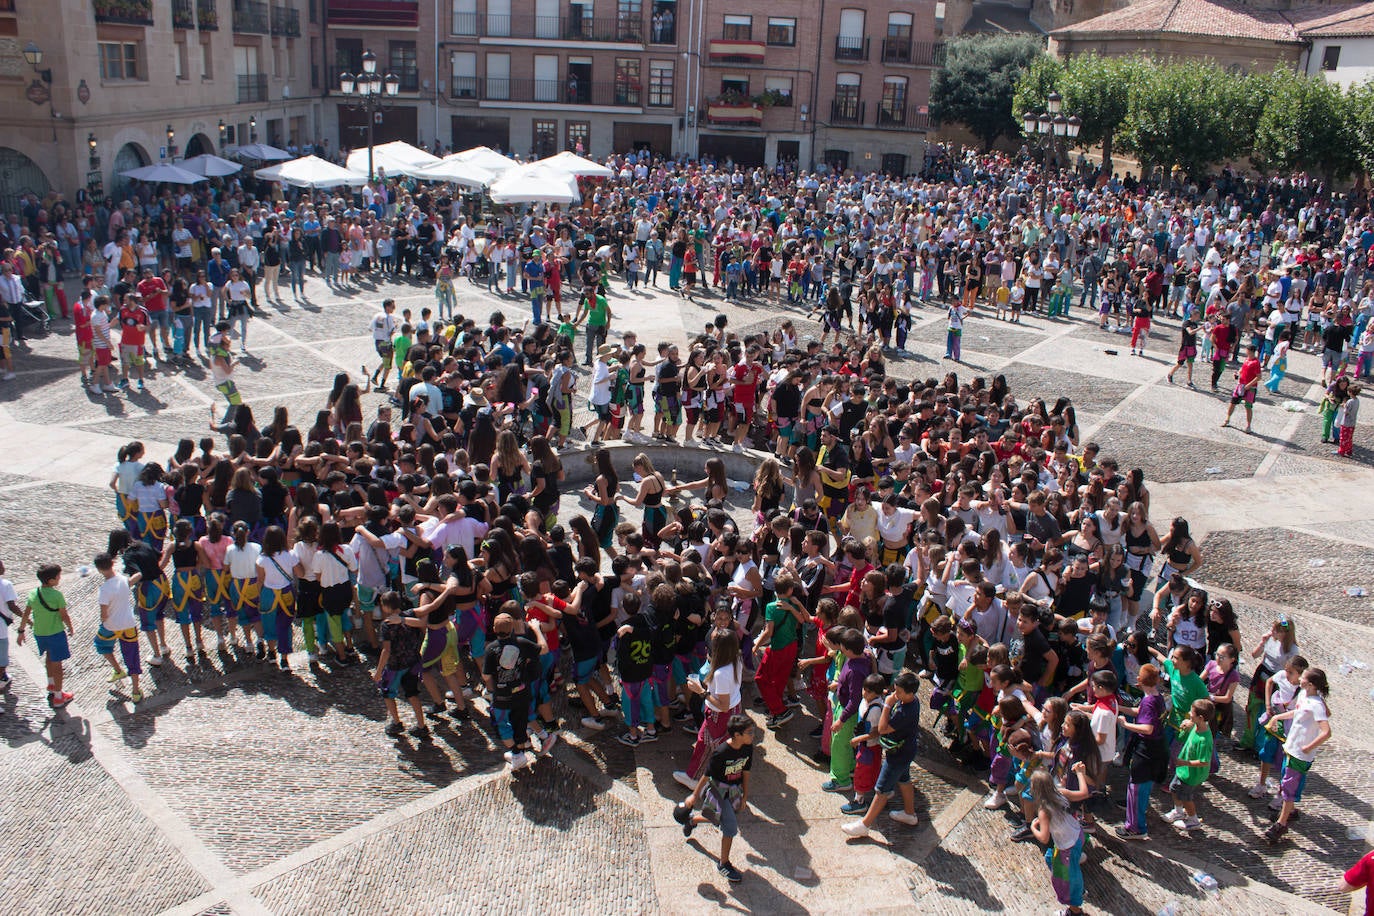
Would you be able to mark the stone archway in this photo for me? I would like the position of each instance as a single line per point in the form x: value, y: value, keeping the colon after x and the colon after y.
x: 199, y: 145
x: 19, y: 175
x: 130, y: 156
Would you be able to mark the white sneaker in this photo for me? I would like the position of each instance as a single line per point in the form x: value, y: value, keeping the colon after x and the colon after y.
x: 1176, y: 814
x: 155, y: 661
x: 737, y: 447
x: 902, y: 817
x: 1188, y: 823
x: 9, y: 376
x: 684, y: 780
x: 855, y: 829
x: 593, y: 723
x: 1276, y: 803
x: 1257, y: 791
x: 995, y: 800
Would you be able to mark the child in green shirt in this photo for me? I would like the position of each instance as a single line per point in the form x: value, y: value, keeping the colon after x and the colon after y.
x: 1194, y: 765
x: 402, y: 343
x: 51, y: 625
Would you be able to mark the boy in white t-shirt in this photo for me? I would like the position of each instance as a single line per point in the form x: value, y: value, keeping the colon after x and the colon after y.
x: 10, y: 611
x: 1102, y: 713
x: 118, y: 625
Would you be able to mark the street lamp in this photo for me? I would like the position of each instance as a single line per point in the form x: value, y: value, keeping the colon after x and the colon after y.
x: 1052, y: 126
x: 369, y: 92
x: 223, y: 132
x: 94, y: 146
x: 253, y: 129
x: 171, y: 142
x: 40, y: 92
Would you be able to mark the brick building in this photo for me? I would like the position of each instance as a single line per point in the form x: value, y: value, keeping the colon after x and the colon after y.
x: 123, y: 83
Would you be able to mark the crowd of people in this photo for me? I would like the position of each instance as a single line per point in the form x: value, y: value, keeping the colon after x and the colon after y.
x: 940, y: 542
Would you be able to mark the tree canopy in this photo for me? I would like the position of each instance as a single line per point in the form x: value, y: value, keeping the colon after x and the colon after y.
x: 977, y: 84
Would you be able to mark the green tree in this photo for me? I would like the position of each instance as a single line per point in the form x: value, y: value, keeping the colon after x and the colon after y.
x: 1359, y: 108
x: 977, y: 84
x: 1098, y: 90
x: 1174, y: 116
x: 1043, y: 76
x: 1306, y: 124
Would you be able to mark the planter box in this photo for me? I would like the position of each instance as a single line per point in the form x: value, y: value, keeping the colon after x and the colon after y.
x: 743, y: 114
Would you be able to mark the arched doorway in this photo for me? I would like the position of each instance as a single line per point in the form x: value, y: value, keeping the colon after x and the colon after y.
x: 131, y: 156
x: 19, y: 175
x: 199, y: 145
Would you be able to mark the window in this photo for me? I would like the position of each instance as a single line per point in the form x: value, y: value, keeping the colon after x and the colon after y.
x: 663, y: 22
x: 780, y: 88
x: 348, y: 54
x: 897, y: 43
x: 579, y: 136
x: 661, y: 83
x: 464, y: 17
x: 849, y: 42
x: 498, y: 76
x: 545, y: 138
x: 546, y: 83
x: 782, y: 31
x: 734, y: 85
x: 182, y: 61
x: 463, y: 74
x: 405, y: 64
x: 498, y: 17
x: 207, y: 60
x: 738, y: 28
x: 846, y: 107
x: 1331, y: 57
x: 892, y: 108
x: 119, y: 60
x: 627, y: 84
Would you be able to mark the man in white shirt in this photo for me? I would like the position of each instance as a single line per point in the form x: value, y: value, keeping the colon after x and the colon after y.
x: 602, y: 379
x: 10, y: 611
x: 102, y: 344
x: 118, y: 625
x: 383, y: 333
x: 249, y: 259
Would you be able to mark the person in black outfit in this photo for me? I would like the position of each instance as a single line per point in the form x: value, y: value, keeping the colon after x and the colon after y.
x: 509, y: 668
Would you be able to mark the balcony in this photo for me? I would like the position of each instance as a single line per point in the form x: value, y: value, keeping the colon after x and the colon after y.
x: 207, y: 16
x: 897, y: 116
x: 624, y: 30
x: 286, y: 21
x: 124, y: 12
x: 846, y: 111
x: 381, y: 14
x: 251, y: 17
x: 919, y: 53
x: 734, y: 113
x: 551, y: 92
x: 851, y: 47
x: 252, y: 87
x: 728, y: 51
x: 183, y: 14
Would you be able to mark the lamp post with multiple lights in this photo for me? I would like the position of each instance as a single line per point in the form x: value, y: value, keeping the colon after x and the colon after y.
x: 369, y: 93
x: 1052, y: 126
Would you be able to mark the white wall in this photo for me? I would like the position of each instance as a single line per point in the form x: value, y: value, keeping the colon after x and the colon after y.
x: 1356, y: 62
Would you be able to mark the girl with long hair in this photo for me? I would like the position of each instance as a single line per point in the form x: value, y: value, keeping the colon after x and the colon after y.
x: 602, y: 492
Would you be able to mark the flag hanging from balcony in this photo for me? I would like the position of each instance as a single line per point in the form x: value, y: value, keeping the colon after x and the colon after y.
x: 728, y: 49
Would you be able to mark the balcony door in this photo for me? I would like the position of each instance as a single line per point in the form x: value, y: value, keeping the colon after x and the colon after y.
x: 546, y: 19
x: 546, y: 77
x: 498, y: 18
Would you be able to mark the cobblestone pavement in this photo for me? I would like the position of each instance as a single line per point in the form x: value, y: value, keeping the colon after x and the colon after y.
x: 234, y: 789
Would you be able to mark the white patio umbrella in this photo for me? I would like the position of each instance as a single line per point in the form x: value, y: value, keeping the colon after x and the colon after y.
x: 310, y: 172
x: 174, y: 174
x: 262, y: 152
x: 451, y: 169
x: 487, y: 158
x: 573, y: 164
x: 396, y: 157
x: 532, y: 184
x: 211, y: 166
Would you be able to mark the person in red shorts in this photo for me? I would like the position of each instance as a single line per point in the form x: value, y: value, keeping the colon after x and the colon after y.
x: 154, y: 291
x: 102, y: 342
x: 133, y: 333
x: 1247, y: 383
x: 81, y: 330
x: 746, y: 375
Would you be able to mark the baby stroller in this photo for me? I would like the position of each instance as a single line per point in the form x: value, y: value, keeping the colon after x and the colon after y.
x: 33, y: 318
x: 427, y: 262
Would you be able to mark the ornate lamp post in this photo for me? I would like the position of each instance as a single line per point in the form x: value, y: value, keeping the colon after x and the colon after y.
x: 369, y: 92
x: 1051, y: 127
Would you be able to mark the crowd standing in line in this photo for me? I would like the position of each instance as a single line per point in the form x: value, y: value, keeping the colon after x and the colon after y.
x: 939, y: 530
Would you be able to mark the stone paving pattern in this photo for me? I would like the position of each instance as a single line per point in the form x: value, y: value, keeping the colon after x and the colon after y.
x: 284, y: 797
